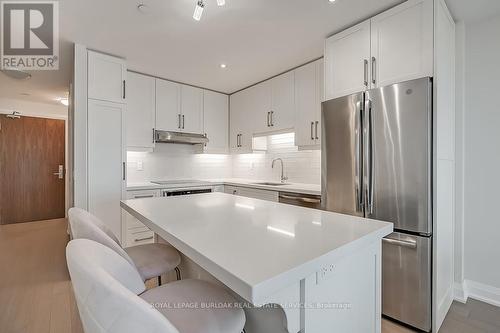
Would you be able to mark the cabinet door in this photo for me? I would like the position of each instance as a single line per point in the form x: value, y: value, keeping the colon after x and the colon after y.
x: 192, y: 109
x: 347, y: 57
x: 258, y: 194
x: 168, y: 106
x: 242, y: 123
x: 320, y: 89
x: 216, y: 118
x: 402, y: 43
x: 283, y: 101
x: 106, y: 77
x: 106, y: 162
x: 306, y: 104
x: 140, y: 111
x: 259, y: 108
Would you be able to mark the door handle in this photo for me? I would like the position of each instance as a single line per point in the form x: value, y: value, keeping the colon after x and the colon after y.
x: 154, y: 139
x: 358, y: 137
x: 365, y: 72
x: 368, y: 159
x: 183, y: 121
x: 179, y: 121
x: 317, y: 123
x: 268, y: 121
x: 144, y: 196
x: 412, y: 244
x: 124, y: 88
x: 312, y: 129
x: 300, y: 199
x: 272, y: 120
x: 374, y: 70
x: 60, y: 172
x: 124, y: 170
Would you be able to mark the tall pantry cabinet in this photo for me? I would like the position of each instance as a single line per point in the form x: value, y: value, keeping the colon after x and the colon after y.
x: 98, y: 135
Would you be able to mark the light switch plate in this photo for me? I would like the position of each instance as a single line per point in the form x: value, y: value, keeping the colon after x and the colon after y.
x: 139, y: 166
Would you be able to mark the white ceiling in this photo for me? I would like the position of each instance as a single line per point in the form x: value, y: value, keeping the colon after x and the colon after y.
x: 255, y: 38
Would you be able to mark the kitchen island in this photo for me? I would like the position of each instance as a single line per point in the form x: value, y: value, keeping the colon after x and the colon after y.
x: 322, y: 269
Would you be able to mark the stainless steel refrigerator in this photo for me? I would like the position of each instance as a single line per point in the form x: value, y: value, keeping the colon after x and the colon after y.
x: 376, y: 158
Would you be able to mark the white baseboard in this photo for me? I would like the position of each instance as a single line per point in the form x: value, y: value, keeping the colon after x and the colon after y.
x: 477, y: 291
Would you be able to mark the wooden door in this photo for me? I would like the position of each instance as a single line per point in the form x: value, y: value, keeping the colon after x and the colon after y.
x: 31, y: 151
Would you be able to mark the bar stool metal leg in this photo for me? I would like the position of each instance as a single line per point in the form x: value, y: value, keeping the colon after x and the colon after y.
x: 159, y: 280
x: 178, y: 273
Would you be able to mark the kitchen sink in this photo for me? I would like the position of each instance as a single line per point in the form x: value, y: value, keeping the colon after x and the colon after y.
x: 270, y: 184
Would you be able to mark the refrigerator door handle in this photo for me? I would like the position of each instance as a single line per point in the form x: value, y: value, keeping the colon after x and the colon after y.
x: 368, y: 159
x: 412, y: 244
x: 358, y: 162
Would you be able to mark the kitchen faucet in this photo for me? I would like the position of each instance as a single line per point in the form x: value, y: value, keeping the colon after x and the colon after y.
x: 283, y: 178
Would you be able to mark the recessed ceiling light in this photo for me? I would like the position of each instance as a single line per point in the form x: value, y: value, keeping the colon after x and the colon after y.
x: 331, y: 1
x: 222, y: 65
x: 221, y: 2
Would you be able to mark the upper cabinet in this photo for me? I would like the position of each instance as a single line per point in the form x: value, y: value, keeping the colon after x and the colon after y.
x: 106, y: 77
x: 216, y: 121
x: 168, y: 106
x: 179, y: 108
x: 140, y: 115
x: 191, y: 109
x: 402, y: 43
x: 392, y: 47
x: 347, y: 59
x: 242, y: 121
x: 308, y: 98
x: 281, y: 115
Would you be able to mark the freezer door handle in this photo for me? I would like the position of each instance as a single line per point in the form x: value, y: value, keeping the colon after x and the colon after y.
x: 368, y: 158
x: 358, y: 139
x: 412, y: 244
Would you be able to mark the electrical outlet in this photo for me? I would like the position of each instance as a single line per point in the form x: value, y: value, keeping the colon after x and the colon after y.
x: 140, y: 166
x: 324, y: 273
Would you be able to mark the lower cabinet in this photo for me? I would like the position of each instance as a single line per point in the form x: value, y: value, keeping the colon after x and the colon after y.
x: 252, y: 193
x: 134, y: 232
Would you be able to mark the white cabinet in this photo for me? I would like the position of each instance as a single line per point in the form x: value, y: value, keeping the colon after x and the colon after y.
x: 179, y: 108
x: 106, y: 161
x: 168, y: 106
x: 106, y: 77
x: 402, y: 43
x: 216, y: 121
x: 394, y: 46
x: 136, y: 233
x: 347, y: 56
x: 140, y: 115
x: 258, y: 106
x: 241, y: 122
x: 191, y: 109
x: 282, y: 102
x: 308, y: 98
x: 252, y: 193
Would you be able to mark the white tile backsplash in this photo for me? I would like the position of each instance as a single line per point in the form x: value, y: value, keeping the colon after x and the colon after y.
x: 170, y: 161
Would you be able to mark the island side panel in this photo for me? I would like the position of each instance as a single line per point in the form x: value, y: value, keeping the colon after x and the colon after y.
x: 346, y: 297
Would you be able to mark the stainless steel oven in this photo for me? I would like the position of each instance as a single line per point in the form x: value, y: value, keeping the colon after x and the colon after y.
x: 185, y: 191
x: 303, y: 200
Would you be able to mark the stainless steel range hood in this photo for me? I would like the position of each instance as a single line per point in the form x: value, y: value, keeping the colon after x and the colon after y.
x: 178, y: 137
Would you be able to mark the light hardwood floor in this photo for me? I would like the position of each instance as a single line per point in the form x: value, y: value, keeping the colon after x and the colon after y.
x: 36, y: 294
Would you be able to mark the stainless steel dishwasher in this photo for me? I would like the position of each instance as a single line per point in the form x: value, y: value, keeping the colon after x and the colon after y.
x: 303, y: 200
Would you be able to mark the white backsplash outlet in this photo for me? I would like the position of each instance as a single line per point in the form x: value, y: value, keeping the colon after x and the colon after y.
x: 170, y: 161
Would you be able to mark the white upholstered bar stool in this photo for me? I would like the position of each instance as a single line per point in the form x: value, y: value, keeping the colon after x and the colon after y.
x: 107, y: 286
x: 151, y: 260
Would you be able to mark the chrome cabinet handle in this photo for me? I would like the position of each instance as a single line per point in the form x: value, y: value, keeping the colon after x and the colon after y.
x: 143, y: 196
x: 124, y: 88
x: 312, y: 129
x: 143, y: 239
x: 368, y: 159
x: 317, y: 123
x: 124, y: 170
x: 409, y: 244
x: 179, y: 121
x: 374, y: 70
x: 268, y: 121
x: 154, y: 139
x: 272, y: 120
x: 183, y: 122
x: 365, y: 72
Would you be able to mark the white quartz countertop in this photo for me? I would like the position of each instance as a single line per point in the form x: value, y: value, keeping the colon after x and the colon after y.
x: 288, y: 187
x: 255, y: 247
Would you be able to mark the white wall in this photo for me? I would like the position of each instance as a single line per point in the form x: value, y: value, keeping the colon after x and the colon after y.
x: 182, y: 162
x: 479, y: 148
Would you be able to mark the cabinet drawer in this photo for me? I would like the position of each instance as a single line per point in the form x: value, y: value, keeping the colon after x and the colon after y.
x: 138, y: 238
